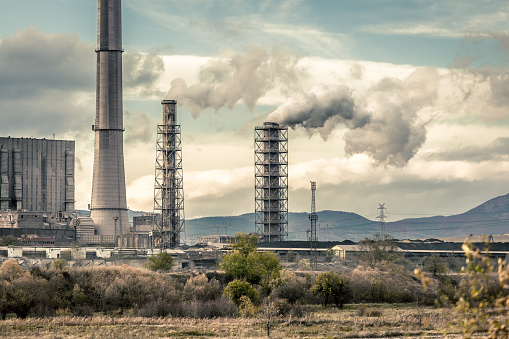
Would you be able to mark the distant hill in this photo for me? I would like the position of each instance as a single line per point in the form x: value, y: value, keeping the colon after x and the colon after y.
x: 341, y: 225
x: 492, y: 217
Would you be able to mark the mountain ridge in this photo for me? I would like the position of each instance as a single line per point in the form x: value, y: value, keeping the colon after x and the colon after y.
x: 490, y: 217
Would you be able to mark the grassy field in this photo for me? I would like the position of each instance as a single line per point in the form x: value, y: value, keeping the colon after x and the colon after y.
x: 355, y: 321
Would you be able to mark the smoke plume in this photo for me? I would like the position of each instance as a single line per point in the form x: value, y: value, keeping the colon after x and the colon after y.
x: 320, y: 110
x: 384, y: 124
x: 236, y: 77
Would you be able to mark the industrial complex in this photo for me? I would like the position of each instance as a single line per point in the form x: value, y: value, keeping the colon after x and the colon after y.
x: 37, y: 186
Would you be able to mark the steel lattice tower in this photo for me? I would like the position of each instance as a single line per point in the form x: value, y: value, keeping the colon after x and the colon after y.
x: 313, y: 217
x: 271, y: 181
x: 169, y: 190
x: 382, y: 218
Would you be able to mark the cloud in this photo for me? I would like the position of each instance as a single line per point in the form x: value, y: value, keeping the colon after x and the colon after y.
x: 235, y: 77
x: 140, y: 198
x: 32, y: 63
x: 476, y: 75
x: 140, y: 128
x: 449, y: 19
x: 141, y: 71
x: 498, y: 149
x: 411, y: 28
x: 49, y: 80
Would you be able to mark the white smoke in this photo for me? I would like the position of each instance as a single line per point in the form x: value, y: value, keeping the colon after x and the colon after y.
x: 235, y: 77
x: 384, y: 124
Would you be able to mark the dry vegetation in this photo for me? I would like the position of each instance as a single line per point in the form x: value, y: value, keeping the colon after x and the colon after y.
x: 355, y: 321
x: 381, y: 299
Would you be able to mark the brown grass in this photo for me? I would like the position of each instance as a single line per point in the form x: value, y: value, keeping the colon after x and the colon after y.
x: 318, y: 322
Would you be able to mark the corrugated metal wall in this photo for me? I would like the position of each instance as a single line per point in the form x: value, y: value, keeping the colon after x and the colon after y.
x: 37, y: 175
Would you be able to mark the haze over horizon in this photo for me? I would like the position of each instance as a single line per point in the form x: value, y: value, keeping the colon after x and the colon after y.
x: 398, y: 102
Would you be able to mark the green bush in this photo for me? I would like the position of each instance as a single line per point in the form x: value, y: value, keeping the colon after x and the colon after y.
x: 246, y: 263
x: 160, y: 262
x: 58, y: 264
x: 238, y: 288
x: 330, y: 284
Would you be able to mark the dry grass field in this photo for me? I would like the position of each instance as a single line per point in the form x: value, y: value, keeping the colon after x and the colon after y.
x: 355, y: 321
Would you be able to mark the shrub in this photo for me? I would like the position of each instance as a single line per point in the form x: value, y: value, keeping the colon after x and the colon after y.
x: 160, y: 262
x: 330, y: 284
x: 377, y: 250
x: 24, y: 295
x: 246, y: 263
x: 58, y: 264
x: 288, y: 309
x: 10, y: 270
x: 11, y: 240
x: 483, y: 296
x: 290, y: 288
x: 200, y: 288
x: 393, y: 284
x: 435, y: 265
x: 246, y: 307
x: 238, y: 288
x: 304, y: 265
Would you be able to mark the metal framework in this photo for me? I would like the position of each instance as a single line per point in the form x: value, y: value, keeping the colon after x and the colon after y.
x: 169, y: 191
x: 313, y: 217
x: 382, y: 218
x: 271, y: 181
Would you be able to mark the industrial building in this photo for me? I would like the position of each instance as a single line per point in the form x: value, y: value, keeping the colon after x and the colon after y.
x: 109, y: 204
x: 37, y: 191
x: 271, y: 181
x: 145, y: 223
x: 37, y: 175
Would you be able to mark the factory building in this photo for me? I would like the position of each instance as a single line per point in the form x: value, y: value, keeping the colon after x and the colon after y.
x: 37, y: 175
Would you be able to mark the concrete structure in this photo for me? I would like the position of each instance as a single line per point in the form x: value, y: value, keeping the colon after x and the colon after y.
x: 37, y: 175
x: 109, y: 206
x: 271, y: 181
x: 169, y: 181
x: 219, y: 241
x: 145, y: 223
x: 84, y: 227
x: 44, y: 237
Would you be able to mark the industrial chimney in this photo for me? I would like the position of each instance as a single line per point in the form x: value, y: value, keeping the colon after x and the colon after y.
x: 109, y: 207
x: 271, y: 181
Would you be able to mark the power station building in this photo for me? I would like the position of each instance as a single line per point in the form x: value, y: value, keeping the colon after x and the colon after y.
x: 37, y: 175
x: 271, y: 181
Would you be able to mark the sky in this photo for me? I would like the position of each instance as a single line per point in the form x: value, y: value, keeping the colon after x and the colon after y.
x: 401, y: 102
